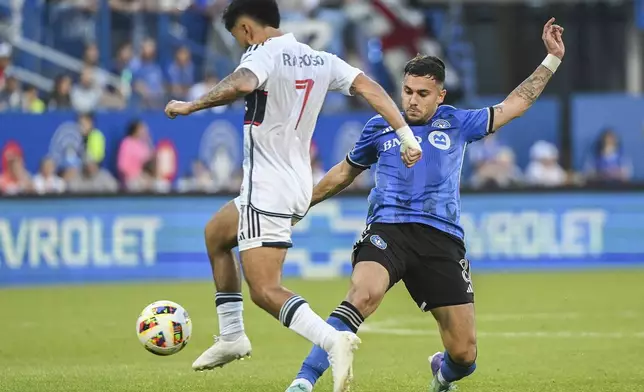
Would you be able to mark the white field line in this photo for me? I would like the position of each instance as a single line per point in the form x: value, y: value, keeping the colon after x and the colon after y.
x: 491, y: 317
x: 626, y: 314
x: 397, y: 327
x: 528, y: 316
x: 508, y: 335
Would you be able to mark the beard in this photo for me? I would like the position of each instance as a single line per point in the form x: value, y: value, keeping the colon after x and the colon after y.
x: 415, y: 121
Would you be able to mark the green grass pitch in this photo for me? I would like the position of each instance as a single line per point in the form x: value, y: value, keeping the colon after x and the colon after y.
x: 554, y: 332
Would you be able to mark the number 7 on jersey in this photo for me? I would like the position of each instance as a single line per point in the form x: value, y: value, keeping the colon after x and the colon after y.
x: 307, y: 86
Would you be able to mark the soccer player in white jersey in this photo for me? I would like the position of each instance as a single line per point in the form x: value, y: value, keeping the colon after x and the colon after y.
x: 284, y: 83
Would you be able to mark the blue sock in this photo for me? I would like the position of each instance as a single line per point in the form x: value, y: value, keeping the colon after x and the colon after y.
x: 451, y: 371
x: 344, y: 318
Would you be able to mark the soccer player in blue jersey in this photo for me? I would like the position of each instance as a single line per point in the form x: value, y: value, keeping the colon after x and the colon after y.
x: 413, y: 232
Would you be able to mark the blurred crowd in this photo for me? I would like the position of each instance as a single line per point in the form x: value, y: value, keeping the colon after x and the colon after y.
x: 138, y: 164
x: 494, y: 165
x: 136, y: 171
x: 134, y: 71
x: 139, y: 167
x: 139, y: 70
x: 145, y: 84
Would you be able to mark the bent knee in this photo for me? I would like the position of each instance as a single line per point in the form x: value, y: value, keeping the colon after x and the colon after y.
x: 259, y: 294
x: 219, y: 235
x: 365, y: 299
x: 263, y: 293
x: 465, y: 353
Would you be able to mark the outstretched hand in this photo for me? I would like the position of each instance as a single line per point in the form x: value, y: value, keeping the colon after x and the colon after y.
x: 552, y: 38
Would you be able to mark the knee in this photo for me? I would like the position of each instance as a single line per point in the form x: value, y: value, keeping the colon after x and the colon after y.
x: 261, y: 294
x: 258, y: 294
x: 465, y: 352
x: 210, y: 232
x: 218, y: 236
x: 364, y: 298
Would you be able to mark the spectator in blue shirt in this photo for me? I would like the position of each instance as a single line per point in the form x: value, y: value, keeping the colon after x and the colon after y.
x: 607, y: 161
x: 181, y: 74
x: 149, y: 83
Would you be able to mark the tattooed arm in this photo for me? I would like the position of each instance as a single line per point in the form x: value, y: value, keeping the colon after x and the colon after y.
x: 236, y: 85
x: 520, y: 100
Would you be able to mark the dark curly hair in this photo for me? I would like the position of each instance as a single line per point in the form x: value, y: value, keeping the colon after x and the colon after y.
x: 422, y: 65
x: 265, y: 12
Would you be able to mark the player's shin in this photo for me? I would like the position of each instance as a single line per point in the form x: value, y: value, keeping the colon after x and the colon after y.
x: 296, y: 314
x: 344, y: 318
x: 221, y: 236
x: 230, y: 309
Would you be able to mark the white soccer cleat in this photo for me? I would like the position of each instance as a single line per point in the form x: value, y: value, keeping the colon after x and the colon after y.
x: 222, y: 353
x: 341, y: 360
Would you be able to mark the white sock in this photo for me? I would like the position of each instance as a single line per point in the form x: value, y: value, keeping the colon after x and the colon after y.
x: 296, y: 314
x: 302, y: 381
x: 230, y: 308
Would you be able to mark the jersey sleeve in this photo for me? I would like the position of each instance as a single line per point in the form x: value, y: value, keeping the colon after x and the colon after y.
x: 364, y: 153
x: 259, y: 61
x: 342, y: 75
x: 476, y: 124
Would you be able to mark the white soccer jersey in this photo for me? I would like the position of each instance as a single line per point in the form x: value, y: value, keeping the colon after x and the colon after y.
x: 279, y: 122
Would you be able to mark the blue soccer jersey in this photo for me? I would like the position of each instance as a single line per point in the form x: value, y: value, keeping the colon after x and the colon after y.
x: 427, y: 193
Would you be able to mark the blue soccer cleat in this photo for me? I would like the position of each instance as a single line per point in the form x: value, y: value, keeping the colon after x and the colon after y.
x: 435, y: 363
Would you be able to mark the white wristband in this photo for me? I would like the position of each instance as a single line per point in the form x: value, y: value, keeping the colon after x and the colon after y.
x: 407, y: 138
x: 551, y: 62
x: 404, y: 133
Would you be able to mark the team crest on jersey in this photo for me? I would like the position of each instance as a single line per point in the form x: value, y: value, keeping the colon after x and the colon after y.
x: 442, y: 124
x: 440, y: 140
x: 378, y: 242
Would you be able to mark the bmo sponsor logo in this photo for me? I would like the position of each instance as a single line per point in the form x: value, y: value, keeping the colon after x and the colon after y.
x: 389, y: 144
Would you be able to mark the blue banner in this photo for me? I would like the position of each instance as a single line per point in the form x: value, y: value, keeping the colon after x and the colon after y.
x: 114, y: 239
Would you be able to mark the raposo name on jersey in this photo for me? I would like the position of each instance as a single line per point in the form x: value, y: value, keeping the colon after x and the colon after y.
x: 302, y: 61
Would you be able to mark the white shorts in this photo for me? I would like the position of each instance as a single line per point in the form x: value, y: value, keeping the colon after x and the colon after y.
x: 257, y: 229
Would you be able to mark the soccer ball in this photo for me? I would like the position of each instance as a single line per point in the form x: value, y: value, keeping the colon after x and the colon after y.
x: 164, y: 328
